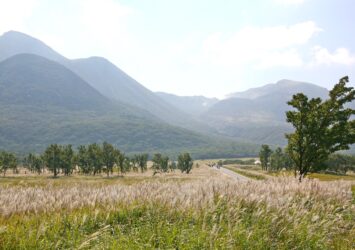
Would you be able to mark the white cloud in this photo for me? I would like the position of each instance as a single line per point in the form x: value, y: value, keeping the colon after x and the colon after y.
x: 288, y: 58
x: 104, y: 21
x: 265, y: 47
x: 13, y: 13
x: 322, y: 56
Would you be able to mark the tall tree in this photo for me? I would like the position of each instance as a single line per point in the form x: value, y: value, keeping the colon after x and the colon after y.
x: 340, y: 163
x: 82, y: 159
x: 34, y: 163
x: 52, y: 158
x: 185, y: 163
x: 127, y: 164
x: 67, y: 159
x: 277, y: 160
x: 172, y: 165
x: 94, y: 153
x: 321, y: 127
x: 264, y: 155
x: 120, y: 159
x: 142, y: 160
x: 109, y: 157
x: 160, y: 163
x: 7, y: 161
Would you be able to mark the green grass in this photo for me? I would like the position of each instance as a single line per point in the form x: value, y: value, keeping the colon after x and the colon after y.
x: 246, y: 173
x: 155, y: 226
x: 216, y: 218
x: 319, y: 176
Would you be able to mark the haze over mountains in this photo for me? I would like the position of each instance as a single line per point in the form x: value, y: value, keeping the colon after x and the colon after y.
x: 193, y: 105
x: 44, y: 101
x: 256, y: 115
x: 259, y: 114
x: 47, y: 98
x: 104, y: 76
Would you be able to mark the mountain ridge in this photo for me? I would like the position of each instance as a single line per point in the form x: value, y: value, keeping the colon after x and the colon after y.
x: 105, y: 77
x: 194, y: 105
x: 46, y: 103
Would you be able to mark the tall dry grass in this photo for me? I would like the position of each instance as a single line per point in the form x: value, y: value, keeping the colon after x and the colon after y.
x: 279, y: 213
x: 277, y: 193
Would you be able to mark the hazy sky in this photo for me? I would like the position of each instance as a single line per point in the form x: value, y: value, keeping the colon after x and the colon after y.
x: 191, y: 47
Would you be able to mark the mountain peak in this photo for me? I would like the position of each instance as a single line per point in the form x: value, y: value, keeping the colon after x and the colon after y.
x: 282, y: 87
x: 292, y: 83
x: 14, y: 42
x: 29, y: 79
x: 14, y: 33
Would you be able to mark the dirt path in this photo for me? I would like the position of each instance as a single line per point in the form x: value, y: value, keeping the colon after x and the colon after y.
x: 232, y: 174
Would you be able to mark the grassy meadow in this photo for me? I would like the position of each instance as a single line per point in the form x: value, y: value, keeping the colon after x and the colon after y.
x: 203, y: 210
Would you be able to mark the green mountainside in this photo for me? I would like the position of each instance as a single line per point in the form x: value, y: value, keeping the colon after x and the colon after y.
x: 105, y: 77
x: 43, y: 102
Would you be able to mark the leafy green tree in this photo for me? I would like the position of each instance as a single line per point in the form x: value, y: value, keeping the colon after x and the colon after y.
x: 94, y: 153
x: 172, y: 165
x: 109, y: 157
x: 7, y: 161
x: 164, y: 164
x: 277, y: 160
x: 142, y: 160
x: 120, y: 160
x: 52, y: 158
x: 156, y: 163
x: 160, y: 163
x: 67, y: 159
x: 82, y: 159
x: 340, y: 163
x: 33, y: 163
x: 134, y: 163
x: 127, y: 164
x: 264, y: 155
x: 321, y: 127
x: 185, y: 163
x: 287, y: 161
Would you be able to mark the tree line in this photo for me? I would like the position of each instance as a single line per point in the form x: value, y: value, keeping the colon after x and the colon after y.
x: 278, y: 159
x: 321, y: 128
x: 92, y: 159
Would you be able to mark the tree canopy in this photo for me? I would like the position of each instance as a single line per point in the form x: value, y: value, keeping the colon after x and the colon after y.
x: 321, y: 127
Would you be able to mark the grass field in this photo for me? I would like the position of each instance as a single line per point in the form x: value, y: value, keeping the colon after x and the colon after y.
x: 203, y: 210
x: 245, y: 173
x: 255, y: 172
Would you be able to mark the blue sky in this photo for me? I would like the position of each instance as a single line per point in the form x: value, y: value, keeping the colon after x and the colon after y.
x: 198, y: 47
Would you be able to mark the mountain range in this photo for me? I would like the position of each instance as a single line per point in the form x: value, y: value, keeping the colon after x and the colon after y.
x: 256, y: 115
x: 104, y: 76
x: 47, y: 98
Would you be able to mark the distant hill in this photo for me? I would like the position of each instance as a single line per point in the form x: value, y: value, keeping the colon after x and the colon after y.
x: 258, y: 114
x: 105, y: 77
x: 27, y: 79
x: 43, y: 102
x: 13, y: 43
x: 193, y: 105
x: 85, y: 100
x: 284, y: 88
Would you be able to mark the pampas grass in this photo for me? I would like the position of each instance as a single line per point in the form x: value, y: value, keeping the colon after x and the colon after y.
x: 278, y: 213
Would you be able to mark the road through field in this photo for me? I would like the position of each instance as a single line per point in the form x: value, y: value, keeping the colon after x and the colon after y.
x: 232, y: 174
